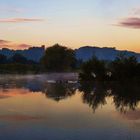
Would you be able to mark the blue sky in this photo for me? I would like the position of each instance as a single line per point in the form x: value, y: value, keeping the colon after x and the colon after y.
x: 73, y: 23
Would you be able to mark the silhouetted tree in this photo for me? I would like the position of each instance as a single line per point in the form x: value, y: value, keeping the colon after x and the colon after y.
x: 59, y: 58
x: 124, y: 67
x: 93, y: 69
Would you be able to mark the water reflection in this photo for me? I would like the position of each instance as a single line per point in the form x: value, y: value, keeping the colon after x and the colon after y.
x: 56, y: 91
x: 60, y: 91
x: 33, y: 84
x: 29, y: 104
x: 126, y: 96
x: 94, y: 94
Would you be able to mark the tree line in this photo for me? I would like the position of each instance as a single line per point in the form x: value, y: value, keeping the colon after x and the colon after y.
x: 123, y: 68
x: 17, y: 64
x: 59, y: 58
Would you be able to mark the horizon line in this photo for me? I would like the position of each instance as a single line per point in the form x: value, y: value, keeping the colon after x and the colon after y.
x: 44, y: 46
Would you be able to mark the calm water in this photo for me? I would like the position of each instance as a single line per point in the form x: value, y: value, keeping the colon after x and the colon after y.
x: 32, y: 109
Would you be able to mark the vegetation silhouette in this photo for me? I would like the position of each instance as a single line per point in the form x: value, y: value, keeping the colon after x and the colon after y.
x: 59, y: 58
x: 92, y: 69
x: 123, y: 68
x: 18, y: 64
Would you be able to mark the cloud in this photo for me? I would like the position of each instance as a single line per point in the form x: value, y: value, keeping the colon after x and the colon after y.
x: 4, y: 41
x: 23, y: 46
x: 130, y: 22
x: 20, y: 20
x: 135, y: 11
x: 10, y: 44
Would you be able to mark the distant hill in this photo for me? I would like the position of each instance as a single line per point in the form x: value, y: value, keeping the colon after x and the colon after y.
x: 33, y: 53
x: 85, y: 53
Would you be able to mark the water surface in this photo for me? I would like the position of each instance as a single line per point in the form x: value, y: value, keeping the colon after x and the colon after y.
x: 32, y: 109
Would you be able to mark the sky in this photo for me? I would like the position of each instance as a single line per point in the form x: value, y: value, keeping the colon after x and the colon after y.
x: 73, y: 23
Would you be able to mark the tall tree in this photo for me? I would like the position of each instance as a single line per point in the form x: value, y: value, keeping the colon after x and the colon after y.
x: 59, y: 58
x: 124, y: 67
x: 93, y: 69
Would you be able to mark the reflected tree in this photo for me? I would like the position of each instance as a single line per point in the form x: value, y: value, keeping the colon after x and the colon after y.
x: 126, y: 96
x: 60, y: 91
x: 94, y: 94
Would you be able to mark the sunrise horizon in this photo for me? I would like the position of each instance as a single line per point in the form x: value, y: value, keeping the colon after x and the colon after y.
x: 23, y: 46
x: 72, y: 24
